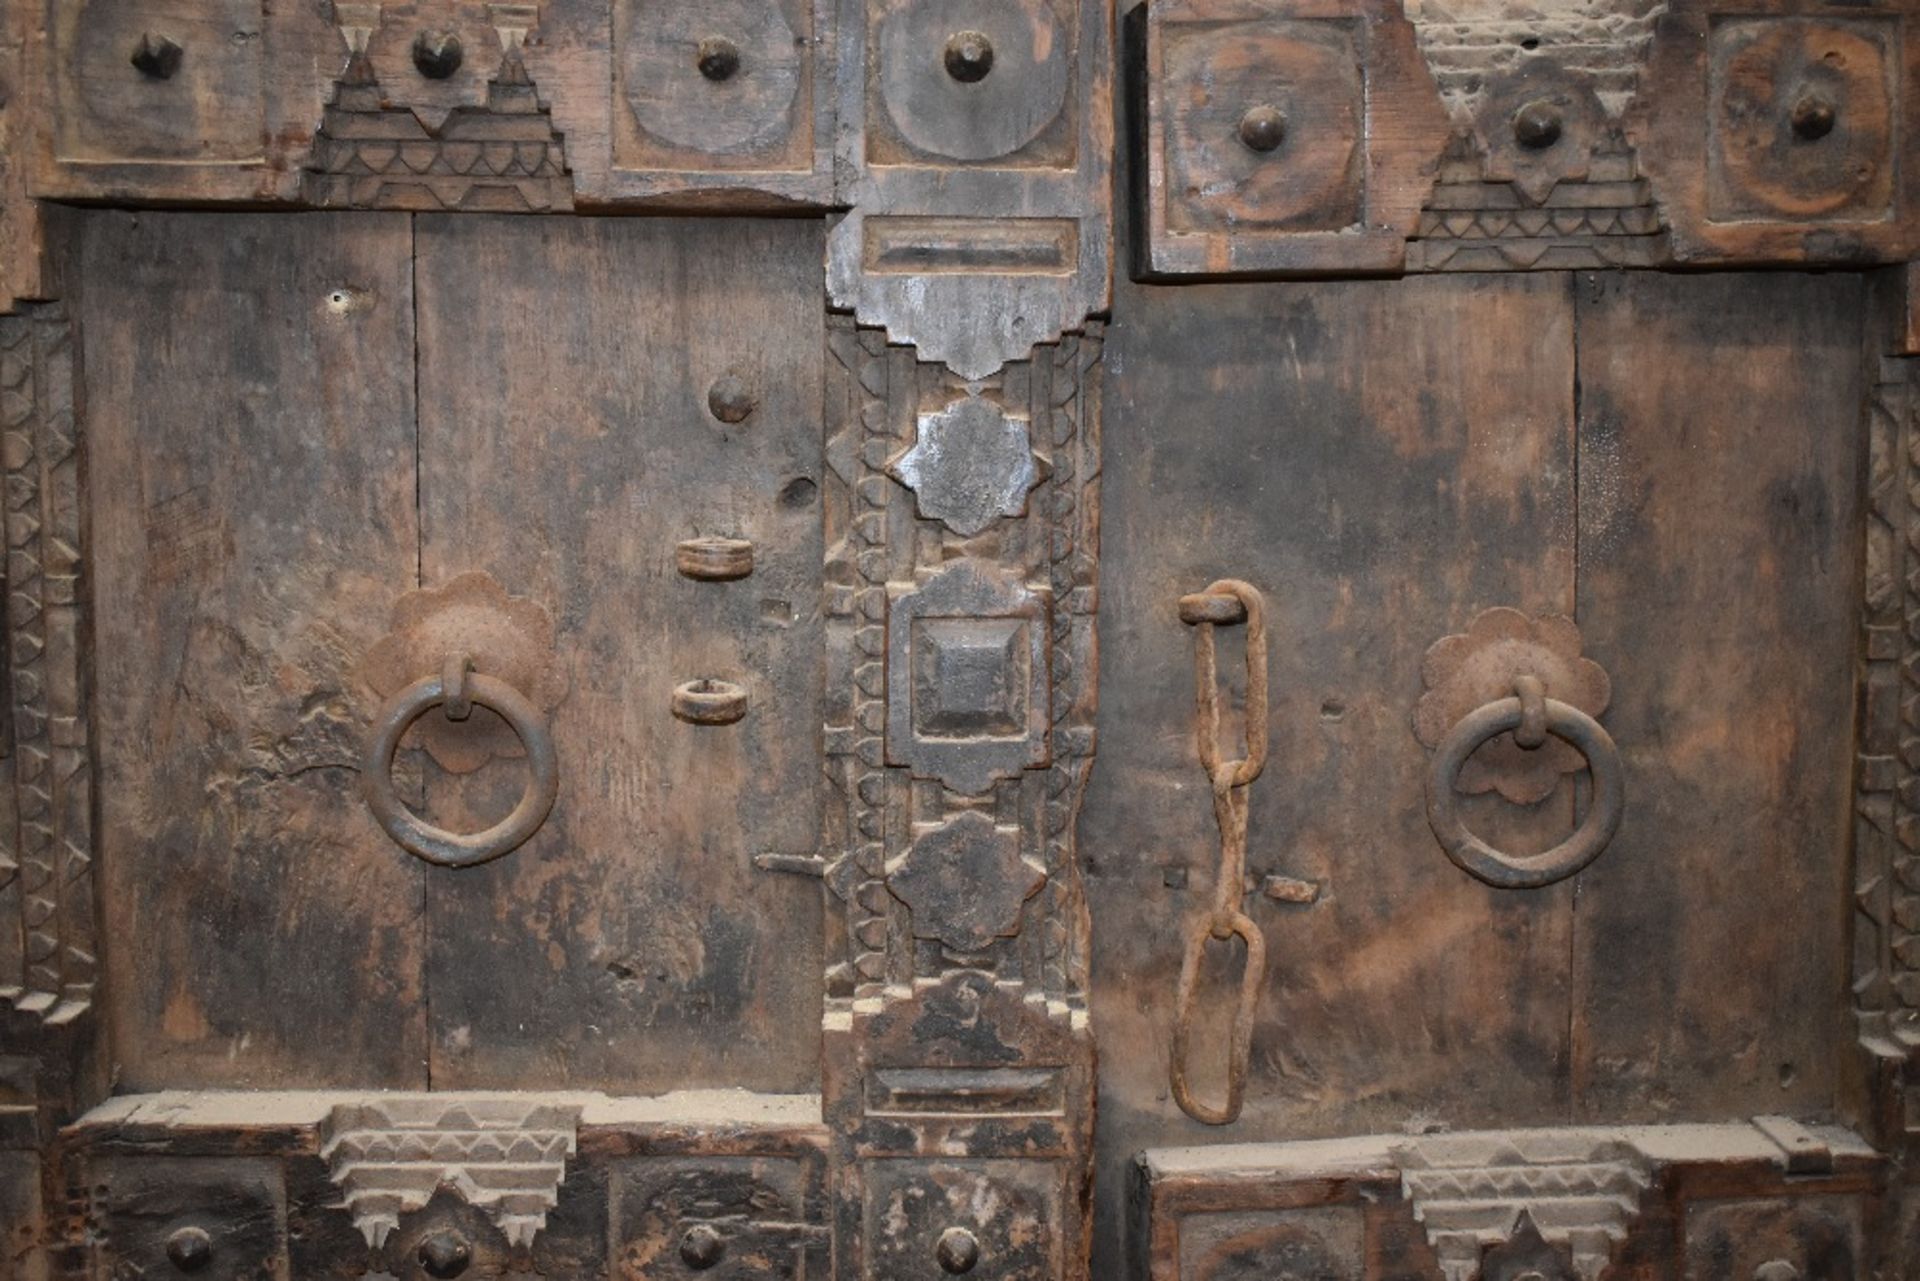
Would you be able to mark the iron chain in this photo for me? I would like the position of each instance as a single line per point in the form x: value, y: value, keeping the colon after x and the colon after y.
x: 1226, y: 601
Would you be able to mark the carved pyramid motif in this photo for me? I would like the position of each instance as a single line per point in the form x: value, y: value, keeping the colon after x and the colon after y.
x: 1605, y: 218
x: 504, y: 157
x: 505, y: 1156
x: 1476, y: 1192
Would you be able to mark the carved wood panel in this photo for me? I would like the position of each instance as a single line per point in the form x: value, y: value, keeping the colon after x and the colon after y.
x: 1703, y: 1202
x: 961, y: 658
x: 784, y: 536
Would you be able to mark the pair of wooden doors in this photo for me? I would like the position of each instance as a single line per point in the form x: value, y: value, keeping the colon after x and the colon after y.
x: 319, y: 447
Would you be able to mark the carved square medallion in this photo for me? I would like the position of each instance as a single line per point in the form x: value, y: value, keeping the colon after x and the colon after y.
x: 1801, y: 120
x: 967, y: 676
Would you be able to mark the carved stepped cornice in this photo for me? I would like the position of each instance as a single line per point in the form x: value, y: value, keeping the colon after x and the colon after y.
x: 505, y: 1156
x: 1468, y: 41
x: 1477, y: 1191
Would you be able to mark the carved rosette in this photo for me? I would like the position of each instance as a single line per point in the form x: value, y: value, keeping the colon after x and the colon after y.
x: 507, y: 637
x: 961, y: 652
x: 1478, y: 666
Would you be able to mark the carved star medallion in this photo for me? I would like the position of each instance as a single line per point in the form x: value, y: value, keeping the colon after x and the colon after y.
x: 965, y: 881
x: 971, y: 464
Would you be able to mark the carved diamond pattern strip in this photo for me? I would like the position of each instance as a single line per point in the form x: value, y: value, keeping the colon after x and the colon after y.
x: 51, y: 776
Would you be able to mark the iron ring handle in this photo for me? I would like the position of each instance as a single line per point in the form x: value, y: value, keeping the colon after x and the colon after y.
x: 437, y: 845
x: 1523, y: 872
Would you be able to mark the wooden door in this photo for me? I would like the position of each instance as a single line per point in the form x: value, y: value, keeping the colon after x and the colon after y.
x: 1033, y: 640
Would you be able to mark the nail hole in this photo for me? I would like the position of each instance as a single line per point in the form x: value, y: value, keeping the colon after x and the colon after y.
x: 1530, y: 43
x: 1332, y: 710
x: 798, y: 492
x: 345, y: 300
x: 1788, y: 1075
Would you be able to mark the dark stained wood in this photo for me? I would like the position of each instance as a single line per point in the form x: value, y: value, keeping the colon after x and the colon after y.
x: 1382, y: 478
x: 789, y: 532
x: 249, y: 399
x: 1720, y: 463
x: 632, y: 945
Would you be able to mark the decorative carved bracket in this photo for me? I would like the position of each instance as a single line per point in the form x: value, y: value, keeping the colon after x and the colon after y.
x: 505, y: 1155
x: 952, y: 117
x: 505, y: 157
x: 1579, y: 1193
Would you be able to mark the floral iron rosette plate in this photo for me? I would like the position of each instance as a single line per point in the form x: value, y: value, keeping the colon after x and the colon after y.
x: 506, y: 637
x: 1470, y: 669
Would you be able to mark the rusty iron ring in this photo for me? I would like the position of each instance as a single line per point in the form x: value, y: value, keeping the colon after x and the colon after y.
x: 1524, y: 872
x: 415, y: 834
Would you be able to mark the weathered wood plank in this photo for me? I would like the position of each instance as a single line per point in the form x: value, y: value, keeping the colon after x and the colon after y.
x: 1720, y: 455
x: 249, y: 405
x: 567, y: 449
x: 1383, y: 463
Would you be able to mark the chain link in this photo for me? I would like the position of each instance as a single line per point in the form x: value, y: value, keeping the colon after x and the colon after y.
x: 1229, y: 780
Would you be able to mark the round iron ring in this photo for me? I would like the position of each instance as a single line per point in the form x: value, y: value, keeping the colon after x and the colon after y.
x: 1524, y: 872
x: 415, y: 834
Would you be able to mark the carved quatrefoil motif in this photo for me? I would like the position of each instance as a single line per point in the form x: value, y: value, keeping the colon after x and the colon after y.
x: 971, y: 464
x: 966, y: 881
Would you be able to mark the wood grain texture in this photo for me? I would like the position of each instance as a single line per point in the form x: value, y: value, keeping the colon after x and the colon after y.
x: 22, y: 233
x: 1382, y: 479
x: 1720, y: 458
x: 566, y: 450
x: 249, y: 396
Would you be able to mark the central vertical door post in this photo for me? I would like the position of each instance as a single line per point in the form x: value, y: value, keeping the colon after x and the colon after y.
x: 962, y: 528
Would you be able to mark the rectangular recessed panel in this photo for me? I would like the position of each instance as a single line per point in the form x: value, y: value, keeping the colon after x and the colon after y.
x: 980, y: 1090
x: 997, y: 246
